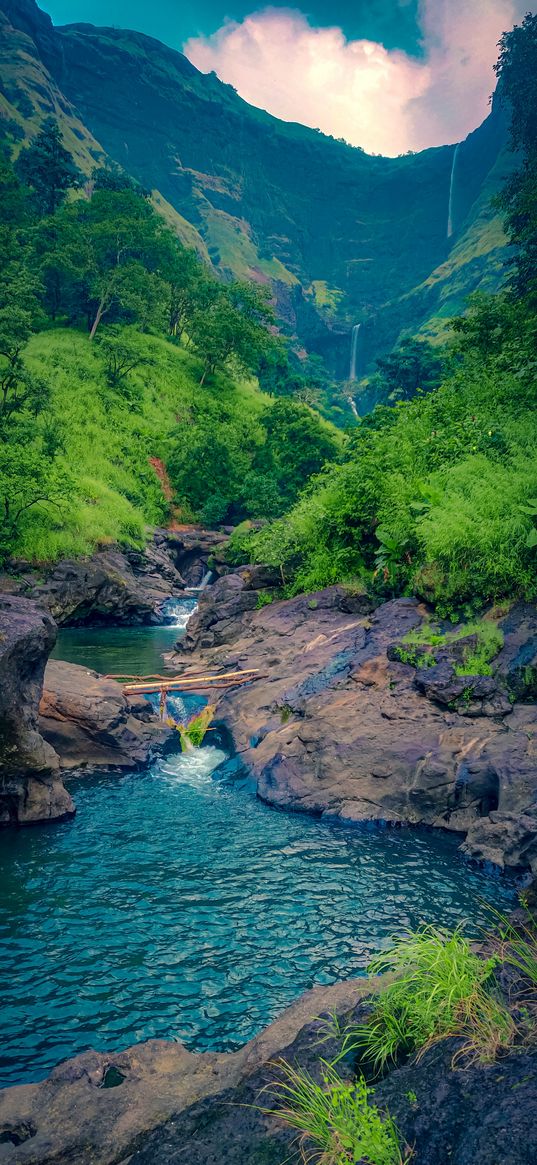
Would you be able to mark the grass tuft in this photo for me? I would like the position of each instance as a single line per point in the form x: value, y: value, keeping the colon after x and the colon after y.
x: 337, y: 1123
x: 441, y: 988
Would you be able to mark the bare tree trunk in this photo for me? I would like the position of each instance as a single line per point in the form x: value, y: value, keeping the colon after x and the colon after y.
x: 97, y: 320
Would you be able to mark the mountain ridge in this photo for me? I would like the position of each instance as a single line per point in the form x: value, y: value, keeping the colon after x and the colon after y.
x: 342, y: 236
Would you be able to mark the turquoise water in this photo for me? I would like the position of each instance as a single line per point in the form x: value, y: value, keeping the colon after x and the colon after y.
x: 175, y: 904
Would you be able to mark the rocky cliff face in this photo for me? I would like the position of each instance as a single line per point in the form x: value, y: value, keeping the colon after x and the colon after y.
x: 341, y: 235
x: 118, y: 587
x: 30, y: 787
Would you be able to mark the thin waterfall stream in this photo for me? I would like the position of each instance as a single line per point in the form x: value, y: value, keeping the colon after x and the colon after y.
x: 176, y: 904
x: 354, y: 351
x: 451, y: 190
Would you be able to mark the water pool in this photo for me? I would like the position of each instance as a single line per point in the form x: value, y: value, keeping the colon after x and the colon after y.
x: 175, y: 904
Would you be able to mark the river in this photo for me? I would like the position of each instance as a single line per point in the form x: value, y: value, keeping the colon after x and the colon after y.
x: 176, y: 904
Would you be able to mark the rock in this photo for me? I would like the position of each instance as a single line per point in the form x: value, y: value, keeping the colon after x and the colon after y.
x: 516, y: 663
x: 117, y: 586
x: 225, y: 609
x: 334, y: 726
x: 112, y: 587
x: 220, y: 614
x: 259, y: 577
x: 468, y: 695
x: 89, y: 722
x: 30, y: 788
x: 192, y: 549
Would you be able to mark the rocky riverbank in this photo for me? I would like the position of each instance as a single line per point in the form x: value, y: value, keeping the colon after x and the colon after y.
x: 158, y: 1104
x: 30, y: 786
x: 118, y: 586
x: 57, y: 717
x: 339, y: 726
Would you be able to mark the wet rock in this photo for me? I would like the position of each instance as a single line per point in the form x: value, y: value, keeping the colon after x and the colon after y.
x: 193, y: 550
x: 30, y: 787
x: 89, y: 722
x: 112, y: 587
x: 220, y: 617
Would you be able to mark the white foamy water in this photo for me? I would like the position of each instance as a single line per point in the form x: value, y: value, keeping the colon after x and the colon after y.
x: 194, y: 768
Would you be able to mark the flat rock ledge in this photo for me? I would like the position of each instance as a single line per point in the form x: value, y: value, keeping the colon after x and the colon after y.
x: 158, y: 1104
x: 338, y: 726
x: 78, y: 1115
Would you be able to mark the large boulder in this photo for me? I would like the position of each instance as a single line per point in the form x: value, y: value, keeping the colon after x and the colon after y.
x: 30, y: 786
x: 225, y: 610
x: 90, y: 723
x: 113, y: 586
x: 337, y: 725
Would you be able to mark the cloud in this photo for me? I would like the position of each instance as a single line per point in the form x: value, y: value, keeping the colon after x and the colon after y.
x: 384, y: 100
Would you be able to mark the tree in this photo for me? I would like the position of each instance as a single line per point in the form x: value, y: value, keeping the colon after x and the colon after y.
x: 120, y: 235
x: 415, y: 365
x: 48, y: 168
x: 234, y: 327
x: 297, y: 445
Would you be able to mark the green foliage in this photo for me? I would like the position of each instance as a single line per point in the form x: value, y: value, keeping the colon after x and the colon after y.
x: 440, y: 988
x: 337, y: 1122
x: 48, y: 169
x: 231, y: 465
x: 476, y: 662
x: 415, y: 366
x: 517, y: 72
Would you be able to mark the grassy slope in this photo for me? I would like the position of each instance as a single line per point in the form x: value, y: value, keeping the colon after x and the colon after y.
x: 108, y: 442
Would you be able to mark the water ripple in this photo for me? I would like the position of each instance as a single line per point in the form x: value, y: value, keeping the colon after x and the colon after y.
x: 177, y: 905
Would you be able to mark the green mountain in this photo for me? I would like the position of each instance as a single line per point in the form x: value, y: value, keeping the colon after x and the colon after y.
x: 342, y: 236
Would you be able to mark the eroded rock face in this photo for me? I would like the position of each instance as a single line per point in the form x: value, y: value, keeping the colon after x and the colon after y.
x: 90, y: 723
x: 338, y: 726
x: 30, y: 786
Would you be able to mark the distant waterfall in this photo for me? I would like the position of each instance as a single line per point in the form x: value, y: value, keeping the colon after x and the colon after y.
x: 354, y: 351
x: 451, y: 188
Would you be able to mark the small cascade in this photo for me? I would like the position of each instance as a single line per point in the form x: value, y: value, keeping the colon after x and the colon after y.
x: 353, y: 408
x: 354, y: 351
x: 207, y: 578
x: 177, y: 612
x: 451, y: 189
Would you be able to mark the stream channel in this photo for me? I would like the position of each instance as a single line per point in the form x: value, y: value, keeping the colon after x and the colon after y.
x: 176, y: 904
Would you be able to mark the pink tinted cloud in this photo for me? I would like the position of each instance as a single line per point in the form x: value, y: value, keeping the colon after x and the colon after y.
x: 386, y: 101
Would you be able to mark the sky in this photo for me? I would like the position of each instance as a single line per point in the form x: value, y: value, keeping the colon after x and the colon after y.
x: 387, y: 75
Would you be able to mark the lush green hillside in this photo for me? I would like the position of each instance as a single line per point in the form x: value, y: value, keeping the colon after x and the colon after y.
x: 109, y: 437
x: 341, y: 236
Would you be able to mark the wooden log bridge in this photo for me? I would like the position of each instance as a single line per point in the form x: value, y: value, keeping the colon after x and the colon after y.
x: 148, y: 685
